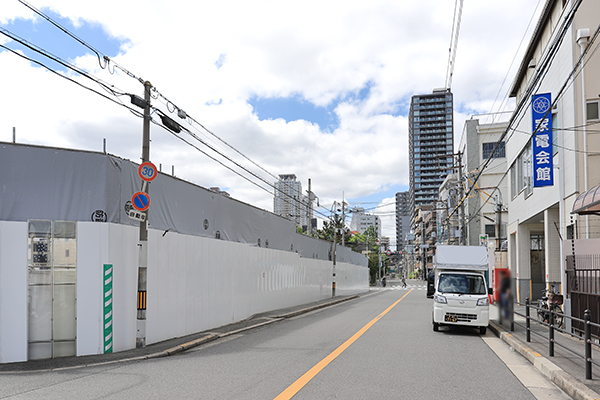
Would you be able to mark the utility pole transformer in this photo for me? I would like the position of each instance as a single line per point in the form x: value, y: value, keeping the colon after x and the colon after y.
x: 140, y: 339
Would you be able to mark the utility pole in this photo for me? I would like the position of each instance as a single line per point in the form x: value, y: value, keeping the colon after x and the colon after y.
x: 140, y: 340
x: 334, y: 254
x: 461, y: 215
x: 309, y: 211
x: 343, y: 222
x: 498, y: 223
x: 379, y: 262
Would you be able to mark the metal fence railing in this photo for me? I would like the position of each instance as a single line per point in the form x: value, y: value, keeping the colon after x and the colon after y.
x: 554, y: 321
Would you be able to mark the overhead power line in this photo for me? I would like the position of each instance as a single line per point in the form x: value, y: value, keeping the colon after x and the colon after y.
x: 458, y: 6
x: 155, y: 94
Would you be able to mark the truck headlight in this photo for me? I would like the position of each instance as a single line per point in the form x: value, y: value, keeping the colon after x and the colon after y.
x: 484, y: 301
x: 438, y: 298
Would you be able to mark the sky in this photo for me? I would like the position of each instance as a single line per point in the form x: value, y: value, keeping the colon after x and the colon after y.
x: 319, y: 89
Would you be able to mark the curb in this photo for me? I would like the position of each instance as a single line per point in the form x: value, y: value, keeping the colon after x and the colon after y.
x: 318, y: 306
x: 570, y: 385
x: 211, y: 336
x: 214, y: 336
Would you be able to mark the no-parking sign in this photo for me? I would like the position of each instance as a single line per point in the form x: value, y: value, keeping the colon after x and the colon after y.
x: 147, y: 171
x: 140, y: 201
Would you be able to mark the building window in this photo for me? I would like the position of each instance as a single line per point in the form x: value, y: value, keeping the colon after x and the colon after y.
x: 527, y: 171
x: 521, y: 173
x: 490, y: 230
x: 513, y: 181
x: 592, y: 111
x: 489, y: 147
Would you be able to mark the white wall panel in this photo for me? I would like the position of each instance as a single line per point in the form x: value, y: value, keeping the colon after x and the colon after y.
x: 92, y: 254
x: 194, y: 284
x: 13, y: 291
x: 123, y: 255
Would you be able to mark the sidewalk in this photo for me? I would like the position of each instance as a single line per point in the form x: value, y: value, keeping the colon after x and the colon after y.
x: 169, y: 347
x: 565, y: 369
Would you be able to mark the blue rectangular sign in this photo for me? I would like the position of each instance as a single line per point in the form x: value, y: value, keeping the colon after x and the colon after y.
x: 541, y: 141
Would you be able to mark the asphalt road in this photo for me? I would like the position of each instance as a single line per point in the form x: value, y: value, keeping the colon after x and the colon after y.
x: 383, y: 355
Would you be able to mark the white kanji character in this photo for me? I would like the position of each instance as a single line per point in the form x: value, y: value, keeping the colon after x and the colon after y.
x: 542, y: 124
x: 542, y: 140
x: 542, y: 157
x: 543, y: 174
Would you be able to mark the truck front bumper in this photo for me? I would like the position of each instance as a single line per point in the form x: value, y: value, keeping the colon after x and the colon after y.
x: 471, y: 316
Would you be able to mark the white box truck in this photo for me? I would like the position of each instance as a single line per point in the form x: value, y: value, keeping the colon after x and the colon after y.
x: 461, y: 291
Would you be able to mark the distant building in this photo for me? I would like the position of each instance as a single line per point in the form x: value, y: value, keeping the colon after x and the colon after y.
x: 384, y: 243
x: 487, y: 208
x: 289, y: 202
x: 431, y: 145
x: 219, y: 191
x: 402, y: 219
x: 361, y: 221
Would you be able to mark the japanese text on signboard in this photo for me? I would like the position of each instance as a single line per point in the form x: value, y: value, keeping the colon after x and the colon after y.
x: 543, y: 174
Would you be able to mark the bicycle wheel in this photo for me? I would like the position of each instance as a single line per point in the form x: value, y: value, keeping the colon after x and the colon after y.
x: 542, y: 311
x: 558, y: 319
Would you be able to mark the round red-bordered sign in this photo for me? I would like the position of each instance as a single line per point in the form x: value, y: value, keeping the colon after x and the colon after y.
x: 389, y: 253
x: 140, y: 201
x: 147, y: 171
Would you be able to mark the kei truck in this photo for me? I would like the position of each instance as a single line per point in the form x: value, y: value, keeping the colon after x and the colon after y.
x: 461, y: 291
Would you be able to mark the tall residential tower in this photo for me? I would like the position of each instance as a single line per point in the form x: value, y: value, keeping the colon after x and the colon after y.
x: 289, y: 202
x: 431, y: 142
x: 402, y: 219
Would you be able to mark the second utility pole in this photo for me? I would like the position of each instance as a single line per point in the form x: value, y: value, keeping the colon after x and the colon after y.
x: 140, y: 338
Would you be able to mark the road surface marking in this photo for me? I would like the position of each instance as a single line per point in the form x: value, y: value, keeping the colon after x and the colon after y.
x: 307, y: 377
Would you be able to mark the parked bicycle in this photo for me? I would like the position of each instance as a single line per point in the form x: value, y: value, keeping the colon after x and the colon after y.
x: 550, y: 301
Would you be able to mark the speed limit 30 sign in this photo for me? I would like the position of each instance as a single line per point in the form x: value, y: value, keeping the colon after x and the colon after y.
x: 147, y: 171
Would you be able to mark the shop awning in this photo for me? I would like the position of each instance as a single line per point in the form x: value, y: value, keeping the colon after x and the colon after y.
x: 588, y: 202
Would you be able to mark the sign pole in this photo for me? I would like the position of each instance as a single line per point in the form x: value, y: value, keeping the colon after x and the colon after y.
x: 140, y: 339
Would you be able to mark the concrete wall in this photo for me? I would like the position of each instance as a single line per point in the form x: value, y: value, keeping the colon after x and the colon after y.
x: 194, y: 284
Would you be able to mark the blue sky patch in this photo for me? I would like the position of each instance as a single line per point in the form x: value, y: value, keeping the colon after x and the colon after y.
x: 220, y: 61
x: 374, y: 199
x: 296, y: 107
x: 50, y: 38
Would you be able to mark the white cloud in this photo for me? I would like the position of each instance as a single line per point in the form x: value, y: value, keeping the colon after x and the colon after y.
x: 211, y: 57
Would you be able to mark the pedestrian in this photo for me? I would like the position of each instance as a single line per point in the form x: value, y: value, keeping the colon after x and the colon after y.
x: 383, y: 281
x: 505, y: 295
x: 403, y: 281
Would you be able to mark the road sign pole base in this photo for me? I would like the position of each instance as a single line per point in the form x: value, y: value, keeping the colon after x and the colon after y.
x: 140, y: 338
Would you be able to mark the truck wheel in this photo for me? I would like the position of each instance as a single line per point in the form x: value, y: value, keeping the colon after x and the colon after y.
x: 436, y: 327
x: 482, y: 330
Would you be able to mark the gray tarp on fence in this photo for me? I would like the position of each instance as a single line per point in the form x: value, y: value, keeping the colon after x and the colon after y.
x: 60, y: 184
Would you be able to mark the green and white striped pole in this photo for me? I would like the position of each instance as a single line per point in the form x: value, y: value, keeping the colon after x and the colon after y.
x: 108, y: 308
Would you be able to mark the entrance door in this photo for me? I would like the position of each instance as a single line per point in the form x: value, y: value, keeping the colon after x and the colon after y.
x: 52, y: 281
x: 538, y: 265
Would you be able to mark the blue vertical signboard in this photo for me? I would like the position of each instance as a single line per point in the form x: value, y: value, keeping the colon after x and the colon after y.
x: 543, y: 174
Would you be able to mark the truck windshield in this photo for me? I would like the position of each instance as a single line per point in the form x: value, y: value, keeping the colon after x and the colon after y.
x: 461, y: 284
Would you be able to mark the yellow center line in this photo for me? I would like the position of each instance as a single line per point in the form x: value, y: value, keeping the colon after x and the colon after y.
x: 304, y: 379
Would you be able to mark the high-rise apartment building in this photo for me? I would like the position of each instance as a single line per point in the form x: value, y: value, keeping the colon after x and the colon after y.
x: 402, y: 219
x: 431, y: 144
x: 361, y: 221
x: 289, y: 202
